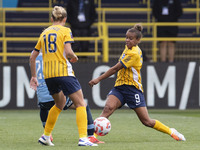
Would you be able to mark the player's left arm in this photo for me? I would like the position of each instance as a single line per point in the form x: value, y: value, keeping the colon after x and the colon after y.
x: 68, y: 38
x: 70, y: 53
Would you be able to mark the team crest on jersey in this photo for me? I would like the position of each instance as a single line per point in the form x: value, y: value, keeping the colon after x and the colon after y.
x: 71, y: 35
x: 127, y: 59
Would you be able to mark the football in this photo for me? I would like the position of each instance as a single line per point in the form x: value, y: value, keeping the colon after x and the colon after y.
x: 102, y: 126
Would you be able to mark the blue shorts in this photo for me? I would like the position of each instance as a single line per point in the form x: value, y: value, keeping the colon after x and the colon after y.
x: 68, y: 85
x: 129, y: 95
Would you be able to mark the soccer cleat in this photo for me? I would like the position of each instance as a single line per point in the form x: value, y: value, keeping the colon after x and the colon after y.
x: 95, y: 140
x: 42, y: 140
x: 176, y: 135
x: 51, y: 137
x: 85, y: 142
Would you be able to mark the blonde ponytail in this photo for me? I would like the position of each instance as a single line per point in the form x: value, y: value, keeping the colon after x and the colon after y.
x: 58, y: 13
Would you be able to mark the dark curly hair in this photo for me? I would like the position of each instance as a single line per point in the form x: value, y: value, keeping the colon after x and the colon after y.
x: 137, y: 29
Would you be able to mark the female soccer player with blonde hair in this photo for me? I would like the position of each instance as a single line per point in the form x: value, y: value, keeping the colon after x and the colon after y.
x: 55, y: 44
x: 128, y: 87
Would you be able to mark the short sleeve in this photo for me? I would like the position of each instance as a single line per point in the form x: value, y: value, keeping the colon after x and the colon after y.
x: 38, y: 45
x: 68, y: 36
x: 128, y: 60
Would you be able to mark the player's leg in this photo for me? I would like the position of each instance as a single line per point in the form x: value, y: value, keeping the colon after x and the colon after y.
x: 69, y: 104
x: 81, y: 115
x: 59, y: 99
x: 112, y: 103
x: 43, y: 115
x: 136, y: 101
x: 54, y: 87
x: 171, y: 51
x: 81, y: 118
x: 143, y: 115
x: 44, y: 110
x: 163, y: 51
x: 54, y: 112
x: 90, y: 127
x: 172, y: 32
x: 72, y: 88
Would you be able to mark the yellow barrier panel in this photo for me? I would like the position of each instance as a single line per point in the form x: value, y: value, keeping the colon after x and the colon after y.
x: 5, y: 24
x: 102, y: 27
x: 155, y: 39
x: 4, y: 54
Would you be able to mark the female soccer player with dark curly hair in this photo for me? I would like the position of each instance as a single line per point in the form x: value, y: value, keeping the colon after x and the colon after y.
x: 128, y: 87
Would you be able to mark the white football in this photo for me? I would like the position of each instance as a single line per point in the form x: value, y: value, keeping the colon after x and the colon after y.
x: 102, y: 126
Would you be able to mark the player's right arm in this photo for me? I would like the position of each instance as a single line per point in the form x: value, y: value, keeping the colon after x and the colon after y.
x: 34, y: 54
x: 33, y: 81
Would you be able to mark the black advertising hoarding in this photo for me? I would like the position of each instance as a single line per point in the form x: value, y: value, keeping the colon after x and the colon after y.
x: 166, y: 85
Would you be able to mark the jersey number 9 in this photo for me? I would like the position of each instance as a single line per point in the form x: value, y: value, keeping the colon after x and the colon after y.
x: 51, y: 44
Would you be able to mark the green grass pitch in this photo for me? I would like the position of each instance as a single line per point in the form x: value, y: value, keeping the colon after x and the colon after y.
x: 20, y: 130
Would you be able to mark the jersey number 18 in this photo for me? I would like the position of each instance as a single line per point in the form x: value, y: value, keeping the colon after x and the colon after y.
x: 50, y: 43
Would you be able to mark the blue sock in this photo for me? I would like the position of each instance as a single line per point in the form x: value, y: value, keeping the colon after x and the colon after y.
x: 90, y: 127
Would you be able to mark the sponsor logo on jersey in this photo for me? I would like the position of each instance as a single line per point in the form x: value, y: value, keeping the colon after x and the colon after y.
x: 71, y: 35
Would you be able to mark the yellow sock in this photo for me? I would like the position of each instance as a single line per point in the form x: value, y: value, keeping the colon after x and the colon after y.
x: 81, y: 120
x: 161, y: 127
x: 95, y: 135
x: 51, y: 120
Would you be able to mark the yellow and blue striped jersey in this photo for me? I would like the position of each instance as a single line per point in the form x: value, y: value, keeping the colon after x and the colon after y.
x: 51, y: 43
x: 132, y: 61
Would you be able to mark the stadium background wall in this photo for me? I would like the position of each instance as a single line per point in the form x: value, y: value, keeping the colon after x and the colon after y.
x: 166, y: 86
